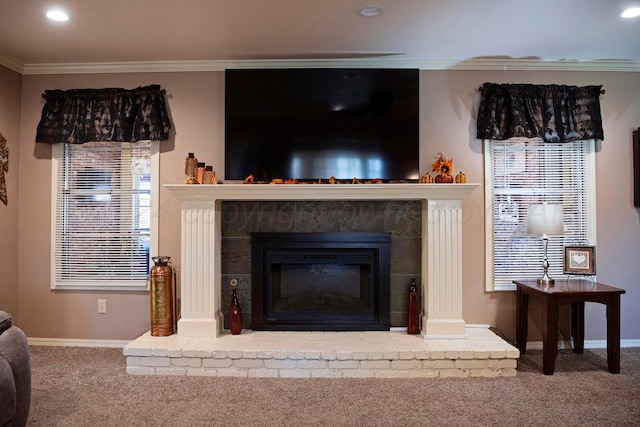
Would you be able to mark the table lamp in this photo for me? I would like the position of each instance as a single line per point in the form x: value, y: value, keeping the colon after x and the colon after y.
x: 545, y: 220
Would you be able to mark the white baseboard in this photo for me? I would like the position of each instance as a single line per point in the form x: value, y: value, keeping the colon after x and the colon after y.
x: 68, y: 342
x: 537, y: 345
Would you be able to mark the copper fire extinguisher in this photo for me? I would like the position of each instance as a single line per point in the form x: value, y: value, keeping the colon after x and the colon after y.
x: 164, y: 316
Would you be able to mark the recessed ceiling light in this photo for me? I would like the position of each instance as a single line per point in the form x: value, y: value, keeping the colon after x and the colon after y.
x: 369, y: 11
x: 632, y: 12
x: 57, y: 15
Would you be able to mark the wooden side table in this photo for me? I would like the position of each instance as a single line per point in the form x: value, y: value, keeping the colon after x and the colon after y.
x: 576, y: 293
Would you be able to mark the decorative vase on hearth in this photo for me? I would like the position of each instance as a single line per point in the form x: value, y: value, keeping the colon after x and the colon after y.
x: 235, y: 315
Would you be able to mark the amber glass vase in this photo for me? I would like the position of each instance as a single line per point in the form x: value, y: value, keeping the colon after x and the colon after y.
x: 235, y: 315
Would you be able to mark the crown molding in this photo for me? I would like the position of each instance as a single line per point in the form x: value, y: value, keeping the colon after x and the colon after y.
x: 475, y: 64
x: 12, y: 63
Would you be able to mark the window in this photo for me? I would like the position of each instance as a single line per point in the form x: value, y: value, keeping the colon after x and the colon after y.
x: 103, y: 219
x: 519, y: 172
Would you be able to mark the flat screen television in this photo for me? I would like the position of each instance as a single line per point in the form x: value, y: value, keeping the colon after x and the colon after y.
x: 311, y: 124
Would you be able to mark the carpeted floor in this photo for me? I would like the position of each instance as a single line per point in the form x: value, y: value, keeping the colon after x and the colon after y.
x: 74, y: 386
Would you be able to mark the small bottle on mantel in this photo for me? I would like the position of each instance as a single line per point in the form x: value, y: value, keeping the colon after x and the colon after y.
x: 412, y: 324
x: 190, y: 169
x: 235, y: 313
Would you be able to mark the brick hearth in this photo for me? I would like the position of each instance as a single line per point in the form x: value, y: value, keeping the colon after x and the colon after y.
x: 324, y: 355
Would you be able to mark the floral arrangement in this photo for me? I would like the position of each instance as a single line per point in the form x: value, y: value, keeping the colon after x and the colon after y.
x: 443, y: 166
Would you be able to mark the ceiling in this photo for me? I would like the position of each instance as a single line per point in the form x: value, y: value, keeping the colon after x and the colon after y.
x: 445, y: 32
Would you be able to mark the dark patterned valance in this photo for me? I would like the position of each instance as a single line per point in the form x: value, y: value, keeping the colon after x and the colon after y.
x: 555, y: 113
x: 82, y: 115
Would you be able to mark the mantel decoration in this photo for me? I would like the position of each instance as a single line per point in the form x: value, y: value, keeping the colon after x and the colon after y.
x: 4, y: 167
x: 444, y: 168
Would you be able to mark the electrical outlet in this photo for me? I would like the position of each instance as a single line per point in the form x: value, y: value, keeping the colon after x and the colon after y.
x: 102, y: 306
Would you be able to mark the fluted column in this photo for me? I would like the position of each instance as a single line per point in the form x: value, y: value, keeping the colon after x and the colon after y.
x: 201, y: 273
x: 442, y: 269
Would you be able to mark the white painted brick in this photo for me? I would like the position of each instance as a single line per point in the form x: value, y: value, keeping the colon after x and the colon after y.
x: 509, y: 372
x: 231, y: 372
x: 149, y: 361
x: 203, y: 353
x: 326, y: 373
x: 470, y: 364
x: 313, y: 355
x: 358, y: 373
x: 453, y: 373
x: 234, y: 354
x: 343, y: 364
x: 466, y: 354
x: 485, y: 373
x: 422, y: 355
x: 375, y: 364
x: 406, y: 364
x: 328, y: 355
x: 219, y: 354
x: 498, y: 354
x: 280, y: 355
x: 216, y: 363
x: 376, y: 355
x: 199, y: 372
x: 481, y: 354
x: 174, y: 352
x: 249, y: 354
x: 438, y: 364
x: 344, y: 356
x: 403, y: 373
x: 190, y: 352
x: 178, y: 372
x: 279, y: 364
x: 248, y: 363
x: 160, y: 352
x: 264, y: 355
x: 502, y: 363
x: 294, y: 373
x: 451, y: 355
x: 133, y: 351
x: 436, y: 355
x: 513, y: 353
x: 295, y: 355
x: 390, y: 355
x: 140, y: 370
x: 187, y: 362
x: 262, y: 373
x: 360, y: 355
x: 406, y: 355
x: 311, y: 364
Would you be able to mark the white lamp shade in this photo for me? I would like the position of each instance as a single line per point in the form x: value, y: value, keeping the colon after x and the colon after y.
x: 545, y: 220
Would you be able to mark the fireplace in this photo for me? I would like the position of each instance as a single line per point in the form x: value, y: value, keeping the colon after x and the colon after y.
x: 320, y: 281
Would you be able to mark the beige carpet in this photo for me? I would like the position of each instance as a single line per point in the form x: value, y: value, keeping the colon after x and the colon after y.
x: 75, y: 386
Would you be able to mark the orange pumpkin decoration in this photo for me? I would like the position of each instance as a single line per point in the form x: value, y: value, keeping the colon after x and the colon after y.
x: 426, y: 179
x: 461, y: 178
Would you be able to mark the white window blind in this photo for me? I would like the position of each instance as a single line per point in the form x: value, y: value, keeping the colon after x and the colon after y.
x: 103, y: 219
x: 522, y: 171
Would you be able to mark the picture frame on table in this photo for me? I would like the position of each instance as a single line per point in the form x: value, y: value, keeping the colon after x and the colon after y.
x: 580, y: 260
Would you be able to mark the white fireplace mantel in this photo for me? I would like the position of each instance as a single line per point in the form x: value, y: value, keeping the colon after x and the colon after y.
x: 201, y: 241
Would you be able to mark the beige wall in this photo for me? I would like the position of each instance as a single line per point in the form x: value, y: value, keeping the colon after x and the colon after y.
x: 448, y: 105
x: 10, y: 85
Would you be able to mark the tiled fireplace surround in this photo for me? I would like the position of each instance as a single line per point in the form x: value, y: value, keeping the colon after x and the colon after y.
x: 425, y: 222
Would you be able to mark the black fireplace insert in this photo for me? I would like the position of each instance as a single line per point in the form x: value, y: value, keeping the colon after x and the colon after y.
x: 320, y: 281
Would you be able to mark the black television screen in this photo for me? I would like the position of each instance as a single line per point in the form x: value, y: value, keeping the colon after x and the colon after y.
x: 311, y: 124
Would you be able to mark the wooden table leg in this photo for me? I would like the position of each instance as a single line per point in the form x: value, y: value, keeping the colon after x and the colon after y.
x: 577, y: 326
x: 549, y: 335
x: 613, y: 334
x: 522, y: 317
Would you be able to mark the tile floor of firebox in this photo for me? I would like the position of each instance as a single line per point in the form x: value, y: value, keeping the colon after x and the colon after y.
x: 323, y: 354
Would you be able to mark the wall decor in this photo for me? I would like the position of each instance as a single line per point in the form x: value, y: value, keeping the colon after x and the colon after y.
x: 580, y: 260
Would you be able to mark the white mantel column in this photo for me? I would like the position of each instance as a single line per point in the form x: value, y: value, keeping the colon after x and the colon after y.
x: 201, y: 244
x: 442, y: 269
